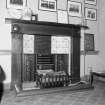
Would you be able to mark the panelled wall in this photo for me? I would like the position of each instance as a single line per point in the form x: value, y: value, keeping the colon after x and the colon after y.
x: 95, y: 27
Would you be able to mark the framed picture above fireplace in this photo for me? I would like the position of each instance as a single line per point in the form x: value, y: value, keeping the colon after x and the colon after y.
x: 92, y: 2
x: 91, y: 14
x: 48, y: 5
x: 16, y: 4
x: 74, y: 8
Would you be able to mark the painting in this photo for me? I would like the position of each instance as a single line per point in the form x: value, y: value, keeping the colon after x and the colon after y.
x: 89, y: 42
x: 74, y: 8
x: 49, y: 5
x: 93, y: 2
x: 16, y: 4
x: 90, y: 14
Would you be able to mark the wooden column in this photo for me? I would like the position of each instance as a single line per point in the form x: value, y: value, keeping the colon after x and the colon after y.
x: 17, y: 40
x: 75, y: 56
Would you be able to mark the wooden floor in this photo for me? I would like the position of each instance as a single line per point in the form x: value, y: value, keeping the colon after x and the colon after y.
x: 94, y: 96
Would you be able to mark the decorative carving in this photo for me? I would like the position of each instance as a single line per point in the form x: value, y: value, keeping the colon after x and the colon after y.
x: 15, y: 28
x: 60, y: 45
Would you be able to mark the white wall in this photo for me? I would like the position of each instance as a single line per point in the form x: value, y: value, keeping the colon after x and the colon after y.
x: 102, y: 32
x: 5, y: 43
x: 95, y: 27
x: 96, y: 62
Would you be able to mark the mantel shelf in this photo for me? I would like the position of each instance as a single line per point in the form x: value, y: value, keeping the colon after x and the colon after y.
x: 11, y: 20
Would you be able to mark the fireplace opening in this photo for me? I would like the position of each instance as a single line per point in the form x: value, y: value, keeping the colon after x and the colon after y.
x: 52, y: 70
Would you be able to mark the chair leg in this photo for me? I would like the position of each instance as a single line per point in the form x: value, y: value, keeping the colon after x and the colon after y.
x: 91, y: 79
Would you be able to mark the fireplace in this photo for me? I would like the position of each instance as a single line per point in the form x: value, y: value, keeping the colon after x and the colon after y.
x: 44, y: 48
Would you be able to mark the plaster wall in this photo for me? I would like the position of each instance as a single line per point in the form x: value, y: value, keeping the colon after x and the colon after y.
x: 102, y: 33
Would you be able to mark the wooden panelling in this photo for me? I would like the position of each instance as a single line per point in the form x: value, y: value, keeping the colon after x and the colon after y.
x: 75, y: 58
x: 17, y: 43
x: 16, y: 60
x: 42, y: 44
x: 16, y: 70
x: 28, y: 72
x: 62, y: 62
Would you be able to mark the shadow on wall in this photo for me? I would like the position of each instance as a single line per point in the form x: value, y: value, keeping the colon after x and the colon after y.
x: 2, y: 78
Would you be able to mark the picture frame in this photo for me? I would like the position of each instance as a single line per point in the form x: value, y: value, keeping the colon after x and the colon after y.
x: 75, y: 8
x: 89, y: 44
x: 62, y: 16
x: 92, y: 2
x: 16, y: 4
x: 90, y: 14
x: 48, y: 5
x: 34, y: 17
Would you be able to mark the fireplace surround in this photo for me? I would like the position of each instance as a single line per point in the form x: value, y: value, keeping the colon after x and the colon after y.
x: 25, y: 66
